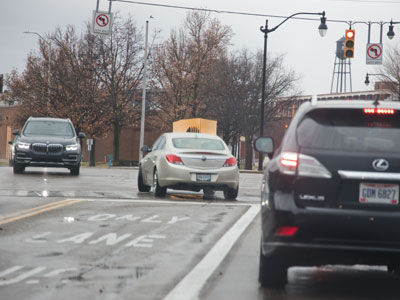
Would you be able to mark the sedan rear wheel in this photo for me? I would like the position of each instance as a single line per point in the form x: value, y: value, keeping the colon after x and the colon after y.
x: 230, y: 193
x: 157, y: 189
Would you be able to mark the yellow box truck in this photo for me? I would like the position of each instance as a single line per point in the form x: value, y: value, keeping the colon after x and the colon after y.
x: 195, y: 125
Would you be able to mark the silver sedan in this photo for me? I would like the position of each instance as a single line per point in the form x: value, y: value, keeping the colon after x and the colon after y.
x: 189, y: 161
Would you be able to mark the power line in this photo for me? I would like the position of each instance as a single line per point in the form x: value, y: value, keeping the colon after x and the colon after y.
x: 241, y: 12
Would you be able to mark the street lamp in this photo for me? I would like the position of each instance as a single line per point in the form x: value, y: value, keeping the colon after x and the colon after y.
x: 322, y: 31
x: 144, y: 86
x: 390, y: 33
x: 49, y: 65
x: 367, y: 82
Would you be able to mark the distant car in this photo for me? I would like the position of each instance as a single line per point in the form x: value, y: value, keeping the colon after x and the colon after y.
x: 11, y: 153
x: 189, y: 161
x: 47, y: 142
x: 330, y: 192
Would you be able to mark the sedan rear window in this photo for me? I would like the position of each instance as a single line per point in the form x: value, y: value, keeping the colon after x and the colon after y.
x: 350, y: 130
x: 198, y: 143
x: 35, y: 128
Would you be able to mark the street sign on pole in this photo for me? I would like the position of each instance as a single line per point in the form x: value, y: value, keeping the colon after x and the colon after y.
x: 101, y: 23
x: 374, y: 54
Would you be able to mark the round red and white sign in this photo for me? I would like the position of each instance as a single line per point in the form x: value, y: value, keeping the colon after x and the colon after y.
x: 102, y: 20
x: 374, y: 51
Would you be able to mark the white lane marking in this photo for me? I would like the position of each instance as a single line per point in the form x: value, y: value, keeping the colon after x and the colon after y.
x: 111, y: 239
x: 152, y: 219
x: 23, y: 276
x: 38, y: 238
x: 10, y: 270
x: 176, y: 219
x: 162, y: 202
x: 59, y: 271
x: 77, y: 239
x: 190, y: 286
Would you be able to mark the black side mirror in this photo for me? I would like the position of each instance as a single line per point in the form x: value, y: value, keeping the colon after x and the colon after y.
x: 15, y: 132
x: 10, y: 142
x: 81, y: 135
x: 145, y: 148
x: 264, y: 145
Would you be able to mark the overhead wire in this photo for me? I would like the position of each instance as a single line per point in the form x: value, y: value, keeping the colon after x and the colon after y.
x: 238, y: 12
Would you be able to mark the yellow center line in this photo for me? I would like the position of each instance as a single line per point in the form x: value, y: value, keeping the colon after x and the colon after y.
x: 36, y: 210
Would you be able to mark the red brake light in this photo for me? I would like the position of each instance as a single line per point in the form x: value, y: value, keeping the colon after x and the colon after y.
x: 289, y: 159
x: 230, y: 162
x: 379, y: 111
x: 174, y: 159
x: 286, y: 230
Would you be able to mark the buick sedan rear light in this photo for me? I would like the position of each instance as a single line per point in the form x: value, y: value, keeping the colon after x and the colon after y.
x: 230, y: 162
x: 174, y: 159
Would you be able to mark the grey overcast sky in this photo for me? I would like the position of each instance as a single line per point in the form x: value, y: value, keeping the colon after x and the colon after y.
x: 305, y: 51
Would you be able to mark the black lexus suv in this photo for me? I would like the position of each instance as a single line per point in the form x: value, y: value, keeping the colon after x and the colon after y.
x: 330, y: 193
x: 47, y: 142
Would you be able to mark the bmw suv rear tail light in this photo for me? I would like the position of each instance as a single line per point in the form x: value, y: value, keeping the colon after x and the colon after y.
x: 305, y: 165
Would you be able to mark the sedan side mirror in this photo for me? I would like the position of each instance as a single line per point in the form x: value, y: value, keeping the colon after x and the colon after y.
x: 81, y: 135
x: 15, y: 132
x: 145, y: 148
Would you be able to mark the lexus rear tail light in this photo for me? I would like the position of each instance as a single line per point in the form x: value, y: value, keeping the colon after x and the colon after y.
x: 230, y: 162
x: 379, y: 111
x: 288, y: 163
x: 174, y: 159
x: 305, y: 165
x: 286, y: 230
x: 311, y: 167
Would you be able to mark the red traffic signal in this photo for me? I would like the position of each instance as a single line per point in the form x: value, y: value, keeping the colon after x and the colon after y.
x: 349, y: 43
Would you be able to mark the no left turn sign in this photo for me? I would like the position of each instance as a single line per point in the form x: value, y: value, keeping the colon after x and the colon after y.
x: 101, y: 22
x: 374, y: 54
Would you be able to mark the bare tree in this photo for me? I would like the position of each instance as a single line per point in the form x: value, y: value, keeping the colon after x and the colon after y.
x: 182, y: 67
x: 120, y: 70
x: 72, y: 91
x: 391, y: 70
x: 238, y: 107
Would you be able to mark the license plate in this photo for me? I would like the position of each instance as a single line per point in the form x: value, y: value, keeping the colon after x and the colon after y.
x: 379, y: 193
x: 203, y: 177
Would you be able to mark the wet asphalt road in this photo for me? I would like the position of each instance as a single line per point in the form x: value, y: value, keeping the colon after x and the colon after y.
x: 95, y: 236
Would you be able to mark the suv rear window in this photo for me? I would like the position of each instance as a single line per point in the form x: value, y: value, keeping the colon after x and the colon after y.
x: 350, y: 130
x: 34, y: 128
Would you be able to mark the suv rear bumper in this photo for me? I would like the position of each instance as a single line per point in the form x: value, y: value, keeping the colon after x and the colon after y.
x: 333, y: 236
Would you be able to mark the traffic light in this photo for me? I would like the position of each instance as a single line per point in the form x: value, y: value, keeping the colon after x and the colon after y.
x: 349, y: 43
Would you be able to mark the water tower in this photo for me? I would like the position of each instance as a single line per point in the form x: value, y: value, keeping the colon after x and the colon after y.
x: 341, y: 70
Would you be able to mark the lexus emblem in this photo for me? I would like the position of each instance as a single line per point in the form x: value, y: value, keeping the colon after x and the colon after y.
x: 380, y: 164
x: 204, y: 158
